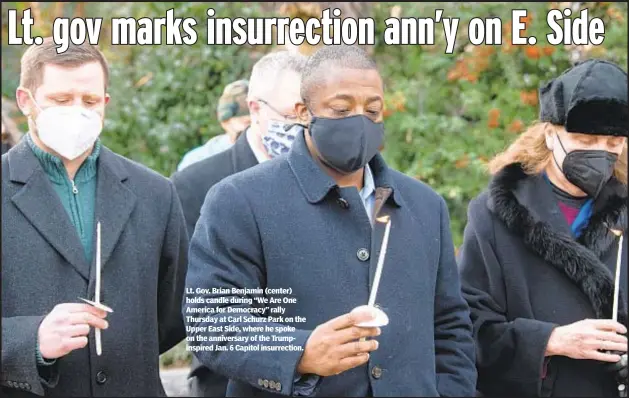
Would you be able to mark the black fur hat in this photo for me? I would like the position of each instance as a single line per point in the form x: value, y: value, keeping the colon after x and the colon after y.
x: 588, y: 98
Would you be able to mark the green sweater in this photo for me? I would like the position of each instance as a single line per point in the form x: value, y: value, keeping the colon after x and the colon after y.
x: 79, y: 196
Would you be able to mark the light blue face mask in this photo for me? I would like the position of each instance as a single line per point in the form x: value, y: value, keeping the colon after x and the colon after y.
x: 278, y: 140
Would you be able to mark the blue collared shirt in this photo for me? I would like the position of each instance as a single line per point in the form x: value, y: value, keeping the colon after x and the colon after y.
x: 305, y: 385
x: 368, y: 193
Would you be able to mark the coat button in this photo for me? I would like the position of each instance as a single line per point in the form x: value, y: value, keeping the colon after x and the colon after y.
x: 101, y: 377
x: 376, y: 372
x: 272, y: 385
x: 362, y: 254
x: 278, y: 386
x: 266, y: 384
x: 28, y: 387
x: 260, y: 382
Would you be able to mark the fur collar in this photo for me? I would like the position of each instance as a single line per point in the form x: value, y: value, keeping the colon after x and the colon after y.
x: 578, y: 260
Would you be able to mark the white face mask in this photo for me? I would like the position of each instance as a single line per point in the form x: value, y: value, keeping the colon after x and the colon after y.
x: 68, y: 130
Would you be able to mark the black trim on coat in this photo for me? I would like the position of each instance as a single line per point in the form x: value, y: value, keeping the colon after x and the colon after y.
x: 578, y: 259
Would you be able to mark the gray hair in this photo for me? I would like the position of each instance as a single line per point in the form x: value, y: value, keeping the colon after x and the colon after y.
x: 268, y: 71
x: 328, y: 58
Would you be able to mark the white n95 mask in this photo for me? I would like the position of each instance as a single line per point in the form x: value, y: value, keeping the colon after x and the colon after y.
x: 68, y: 130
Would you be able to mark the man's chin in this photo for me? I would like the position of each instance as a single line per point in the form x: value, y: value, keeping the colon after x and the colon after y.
x: 51, y: 151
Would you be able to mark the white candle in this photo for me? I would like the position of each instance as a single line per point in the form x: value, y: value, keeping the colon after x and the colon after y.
x: 383, y: 251
x: 99, y: 348
x: 617, y: 280
x: 97, y: 294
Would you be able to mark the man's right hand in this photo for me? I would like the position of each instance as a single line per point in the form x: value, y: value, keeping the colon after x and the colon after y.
x: 586, y: 339
x: 66, y: 327
x: 335, y: 346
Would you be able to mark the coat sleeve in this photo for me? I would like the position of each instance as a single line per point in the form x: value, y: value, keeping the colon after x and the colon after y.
x: 510, y: 351
x: 226, y: 253
x: 172, y: 274
x: 454, y: 345
x: 19, y: 356
x: 187, y: 197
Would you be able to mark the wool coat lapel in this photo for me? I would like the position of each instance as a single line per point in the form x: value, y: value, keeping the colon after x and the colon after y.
x: 114, y: 202
x: 41, y: 206
x: 578, y: 259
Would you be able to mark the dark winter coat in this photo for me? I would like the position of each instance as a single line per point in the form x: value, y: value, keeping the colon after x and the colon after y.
x: 286, y: 224
x: 192, y: 184
x: 523, y: 274
x: 144, y: 258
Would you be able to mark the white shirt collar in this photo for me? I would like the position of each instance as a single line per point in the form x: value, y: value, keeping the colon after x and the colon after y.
x: 369, y: 185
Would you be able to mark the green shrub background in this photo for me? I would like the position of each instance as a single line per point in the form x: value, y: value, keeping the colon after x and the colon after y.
x: 447, y: 114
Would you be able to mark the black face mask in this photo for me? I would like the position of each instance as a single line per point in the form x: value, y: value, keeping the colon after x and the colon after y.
x: 588, y: 169
x: 347, y: 144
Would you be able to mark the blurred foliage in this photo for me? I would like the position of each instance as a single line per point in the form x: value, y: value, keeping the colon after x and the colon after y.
x: 163, y: 96
x: 165, y: 103
x: 446, y: 114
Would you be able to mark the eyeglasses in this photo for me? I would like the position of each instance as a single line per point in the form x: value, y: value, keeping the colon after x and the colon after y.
x: 289, y: 117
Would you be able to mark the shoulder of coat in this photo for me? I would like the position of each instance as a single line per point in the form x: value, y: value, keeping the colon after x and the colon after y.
x: 480, y: 215
x: 204, y: 173
x: 411, y: 188
x: 138, y: 175
x: 268, y: 172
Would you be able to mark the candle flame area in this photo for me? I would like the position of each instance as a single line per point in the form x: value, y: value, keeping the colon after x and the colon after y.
x: 616, y: 232
x: 383, y: 219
